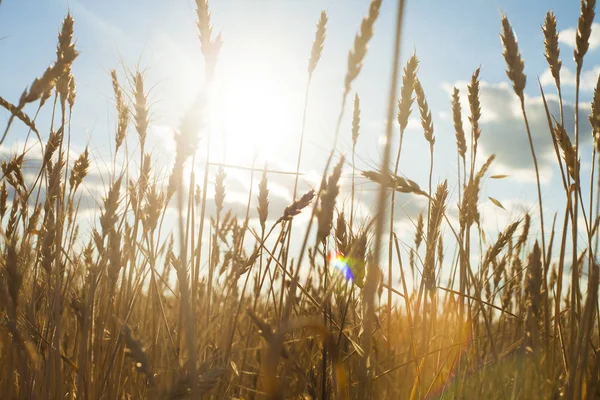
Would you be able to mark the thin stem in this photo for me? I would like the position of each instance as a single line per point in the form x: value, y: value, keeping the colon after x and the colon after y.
x: 379, y: 223
x: 537, y: 176
x: 392, y: 211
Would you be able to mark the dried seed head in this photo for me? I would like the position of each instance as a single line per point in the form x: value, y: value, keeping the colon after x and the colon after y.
x: 584, y: 30
x: 426, y: 120
x: 263, y: 200
x: 499, y: 271
x: 11, y: 226
x: 18, y: 113
x: 13, y: 172
x: 72, y: 92
x: 395, y: 182
x: 65, y: 55
x: 34, y: 219
x: 65, y: 38
x: 525, y: 232
x: 419, y: 231
x: 210, y: 47
x: 469, y: 212
x: 359, y: 50
x: 220, y: 190
x: 406, y: 92
x: 54, y: 180
x: 594, y: 116
x: 297, y: 206
x: 62, y: 87
x: 13, y: 270
x: 357, y: 257
x: 155, y: 202
x: 79, y: 170
x: 122, y: 111
x: 474, y: 105
x: 3, y: 199
x: 355, y: 120
x: 52, y: 145
x: 461, y: 143
x: 40, y: 87
x: 503, y: 239
x: 48, y: 235
x: 514, y: 62
x: 114, y: 258
x: 109, y: 216
x: 141, y: 109
x: 438, y: 208
x: 204, y: 26
x: 341, y: 235
x: 552, y: 53
x: 145, y: 174
x: 568, y: 150
x: 317, y: 48
x: 533, y: 281
x: 328, y: 198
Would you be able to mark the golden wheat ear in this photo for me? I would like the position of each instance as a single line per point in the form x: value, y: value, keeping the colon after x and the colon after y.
x: 317, y: 47
x: 328, y: 198
x: 263, y: 200
x: 361, y: 41
x: 515, y: 64
x: 552, y: 50
x: 461, y: 143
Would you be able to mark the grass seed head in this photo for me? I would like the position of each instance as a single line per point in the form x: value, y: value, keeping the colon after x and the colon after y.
x: 409, y: 78
x: 210, y: 47
x: 355, y: 120
x: 426, y: 120
x: 17, y: 112
x: 438, y: 208
x: 584, y: 30
x: 297, y: 206
x: 263, y: 200
x: 594, y: 116
x: 141, y: 109
x: 3, y: 199
x: 122, y: 111
x: 317, y: 47
x: 552, y: 52
x: 328, y: 198
x: 220, y: 190
x: 514, y: 62
x: 80, y: 169
x: 461, y: 143
x: 358, y: 52
x: 474, y: 105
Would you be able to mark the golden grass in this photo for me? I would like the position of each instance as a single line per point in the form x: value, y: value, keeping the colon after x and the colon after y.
x: 97, y: 315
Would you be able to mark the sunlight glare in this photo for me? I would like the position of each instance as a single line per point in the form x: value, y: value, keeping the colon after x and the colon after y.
x: 252, y: 112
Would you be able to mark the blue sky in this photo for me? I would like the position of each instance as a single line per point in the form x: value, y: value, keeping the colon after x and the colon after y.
x: 262, y: 77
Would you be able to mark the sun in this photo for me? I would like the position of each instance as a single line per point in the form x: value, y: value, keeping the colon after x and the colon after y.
x: 252, y: 112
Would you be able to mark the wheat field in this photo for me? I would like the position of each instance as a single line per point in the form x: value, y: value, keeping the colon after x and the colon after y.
x: 170, y: 294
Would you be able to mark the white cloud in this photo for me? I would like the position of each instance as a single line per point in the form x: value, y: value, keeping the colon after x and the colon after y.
x: 588, y: 80
x: 503, y: 127
x: 567, y: 36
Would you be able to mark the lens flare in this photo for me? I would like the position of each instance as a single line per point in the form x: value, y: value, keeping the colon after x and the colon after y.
x: 341, y: 263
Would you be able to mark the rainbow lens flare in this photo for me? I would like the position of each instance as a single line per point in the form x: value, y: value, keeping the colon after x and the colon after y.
x: 341, y: 264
